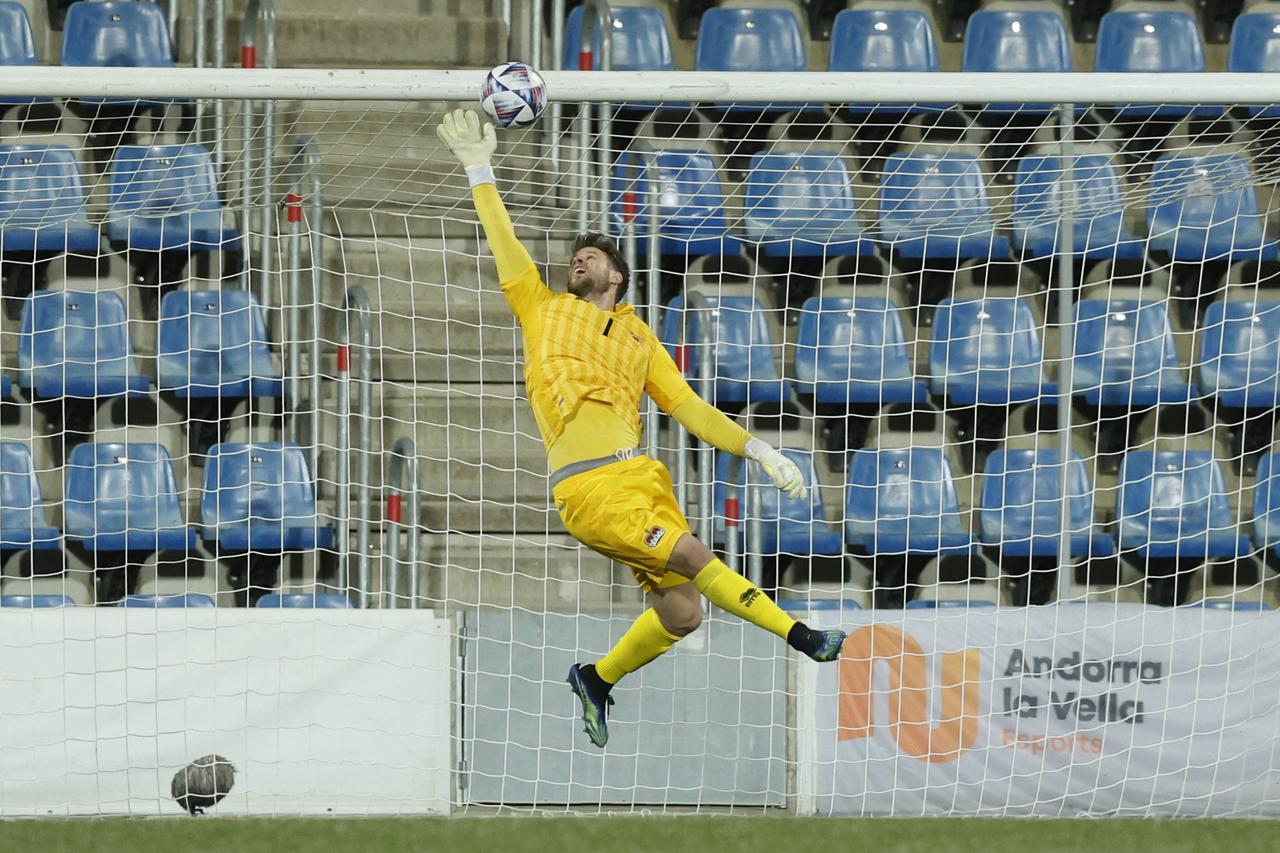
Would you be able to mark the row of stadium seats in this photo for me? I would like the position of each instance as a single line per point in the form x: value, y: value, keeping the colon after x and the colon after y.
x: 123, y: 497
x: 901, y: 37
x: 936, y: 205
x: 984, y: 350
x: 189, y: 599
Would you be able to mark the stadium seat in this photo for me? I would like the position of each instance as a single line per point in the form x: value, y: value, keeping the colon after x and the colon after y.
x: 115, y: 35
x: 124, y: 497
x: 690, y: 206
x: 802, y: 205
x: 75, y: 344
x: 214, y: 344
x: 1019, y: 41
x: 935, y: 205
x: 42, y: 201
x: 852, y: 350
x: 23, y: 524
x: 1240, y: 354
x: 188, y: 599
x: 1206, y: 208
x: 749, y: 40
x: 903, y: 501
x: 34, y: 601
x: 987, y: 352
x: 886, y: 40
x: 743, y: 349
x: 1098, y: 231
x: 261, y: 498
x: 1266, y: 504
x: 1255, y: 47
x: 1021, y: 505
x: 1125, y: 355
x: 1150, y: 41
x: 787, y: 526
x: 323, y: 601
x: 1173, y: 503
x: 639, y: 40
x: 6, y: 387
x: 165, y: 197
x: 17, y: 46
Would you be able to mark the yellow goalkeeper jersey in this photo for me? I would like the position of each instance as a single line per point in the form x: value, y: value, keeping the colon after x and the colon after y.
x: 585, y: 369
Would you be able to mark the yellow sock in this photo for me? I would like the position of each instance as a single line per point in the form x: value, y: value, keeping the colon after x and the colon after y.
x: 645, y: 640
x: 730, y: 591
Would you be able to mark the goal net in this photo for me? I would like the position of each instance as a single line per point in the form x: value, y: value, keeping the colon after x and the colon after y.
x: 255, y: 356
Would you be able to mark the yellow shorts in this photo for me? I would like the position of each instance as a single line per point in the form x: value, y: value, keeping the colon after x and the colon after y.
x: 627, y: 512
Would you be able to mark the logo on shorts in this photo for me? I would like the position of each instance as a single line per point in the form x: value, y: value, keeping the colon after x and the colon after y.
x: 748, y: 597
x: 654, y: 535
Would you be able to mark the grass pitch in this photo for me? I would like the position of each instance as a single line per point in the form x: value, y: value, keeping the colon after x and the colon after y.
x: 695, y: 834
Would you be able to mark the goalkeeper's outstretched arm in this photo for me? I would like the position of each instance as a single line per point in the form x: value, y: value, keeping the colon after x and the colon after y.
x: 674, y: 396
x: 473, y: 142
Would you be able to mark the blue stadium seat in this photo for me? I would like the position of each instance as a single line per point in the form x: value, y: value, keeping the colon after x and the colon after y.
x: 743, y: 349
x: 1150, y: 41
x: 903, y: 501
x: 1125, y: 355
x: 17, y: 46
x: 261, y: 498
x: 1021, y: 491
x: 214, y: 344
x: 946, y: 603
x: 690, y: 205
x: 1206, y: 208
x: 1098, y: 231
x: 116, y: 35
x: 1240, y: 354
x: 749, y: 40
x: 166, y: 197
x: 639, y: 40
x: 787, y: 526
x: 1255, y: 47
x: 23, y: 524
x: 802, y: 205
x: 1173, y: 503
x: 42, y: 201
x: 852, y: 350
x: 124, y: 497
x: 1016, y: 40
x: 75, y: 344
x: 181, y: 599
x: 987, y: 352
x: 935, y: 205
x: 885, y: 40
x: 323, y: 601
x: 37, y: 601
x: 6, y: 387
x: 1266, y: 504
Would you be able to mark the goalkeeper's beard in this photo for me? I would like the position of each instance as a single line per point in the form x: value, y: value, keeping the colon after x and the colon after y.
x: 587, y: 287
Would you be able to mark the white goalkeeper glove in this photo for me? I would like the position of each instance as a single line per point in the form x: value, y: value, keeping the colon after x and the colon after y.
x: 472, y: 141
x: 784, y: 473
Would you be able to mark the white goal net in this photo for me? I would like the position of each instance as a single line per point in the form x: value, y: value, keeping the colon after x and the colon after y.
x: 264, y: 362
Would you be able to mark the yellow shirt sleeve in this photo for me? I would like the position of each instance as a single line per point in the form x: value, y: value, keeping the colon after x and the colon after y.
x: 674, y: 396
x: 517, y: 273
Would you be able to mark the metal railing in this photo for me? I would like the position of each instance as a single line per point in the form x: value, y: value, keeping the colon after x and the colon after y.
x: 357, y: 303
x: 401, y: 482
x: 255, y: 10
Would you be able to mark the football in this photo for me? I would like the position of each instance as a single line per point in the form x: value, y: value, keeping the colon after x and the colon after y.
x: 514, y: 95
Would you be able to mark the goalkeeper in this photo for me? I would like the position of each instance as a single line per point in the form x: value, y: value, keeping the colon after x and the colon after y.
x: 587, y: 359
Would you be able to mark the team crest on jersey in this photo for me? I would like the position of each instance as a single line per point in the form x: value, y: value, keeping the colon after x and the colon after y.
x: 654, y: 535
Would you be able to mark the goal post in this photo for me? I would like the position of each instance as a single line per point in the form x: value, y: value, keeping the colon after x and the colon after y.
x: 1020, y: 332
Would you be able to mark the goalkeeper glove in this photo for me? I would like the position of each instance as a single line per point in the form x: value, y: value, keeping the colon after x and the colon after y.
x: 784, y: 473
x: 471, y: 141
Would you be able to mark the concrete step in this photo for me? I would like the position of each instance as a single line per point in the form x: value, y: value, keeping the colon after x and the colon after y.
x: 448, y: 8
x: 536, y: 572
x: 359, y: 38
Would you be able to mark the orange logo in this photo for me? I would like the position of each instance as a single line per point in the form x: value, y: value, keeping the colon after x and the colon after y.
x: 909, y: 694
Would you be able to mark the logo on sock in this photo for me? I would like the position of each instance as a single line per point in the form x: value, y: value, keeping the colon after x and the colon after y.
x: 654, y: 535
x: 748, y: 597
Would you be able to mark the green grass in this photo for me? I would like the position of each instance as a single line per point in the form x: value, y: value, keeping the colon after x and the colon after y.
x: 776, y: 834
